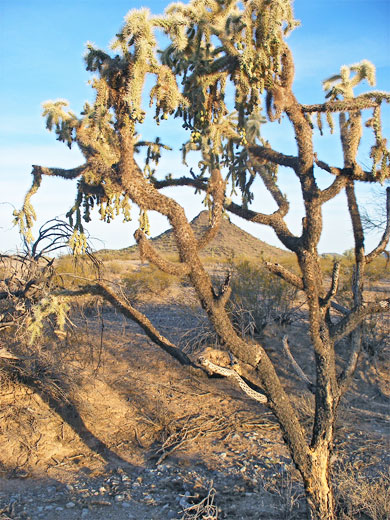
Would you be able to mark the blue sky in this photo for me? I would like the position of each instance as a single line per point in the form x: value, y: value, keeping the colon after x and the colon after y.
x: 41, y: 48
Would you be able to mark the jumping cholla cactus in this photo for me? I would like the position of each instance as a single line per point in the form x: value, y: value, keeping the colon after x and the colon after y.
x: 225, y: 59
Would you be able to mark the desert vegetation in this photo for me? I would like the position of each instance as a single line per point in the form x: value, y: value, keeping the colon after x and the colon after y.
x: 248, y: 306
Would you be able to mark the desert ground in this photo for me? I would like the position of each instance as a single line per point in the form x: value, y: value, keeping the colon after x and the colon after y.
x: 105, y: 424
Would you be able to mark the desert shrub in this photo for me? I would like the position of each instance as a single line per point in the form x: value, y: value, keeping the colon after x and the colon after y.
x: 115, y: 266
x: 358, y: 495
x: 148, y: 280
x: 259, y: 298
x: 201, y: 333
x: 377, y: 270
x: 74, y: 271
x: 38, y: 367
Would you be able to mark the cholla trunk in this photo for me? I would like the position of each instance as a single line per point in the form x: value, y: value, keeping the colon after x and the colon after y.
x: 319, y: 492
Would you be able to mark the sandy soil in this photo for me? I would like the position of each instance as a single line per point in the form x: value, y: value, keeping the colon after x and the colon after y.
x: 138, y: 437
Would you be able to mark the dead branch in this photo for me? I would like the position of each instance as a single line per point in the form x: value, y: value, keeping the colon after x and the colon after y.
x: 205, y: 509
x: 285, y: 274
x: 301, y: 374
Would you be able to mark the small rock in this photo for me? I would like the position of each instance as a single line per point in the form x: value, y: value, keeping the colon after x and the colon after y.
x: 70, y: 505
x: 101, y: 502
x: 119, y: 498
x: 126, y: 504
x: 59, y: 508
x: 84, y: 513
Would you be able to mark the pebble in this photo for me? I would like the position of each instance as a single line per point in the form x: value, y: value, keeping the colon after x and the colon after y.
x: 126, y: 504
x: 70, y: 505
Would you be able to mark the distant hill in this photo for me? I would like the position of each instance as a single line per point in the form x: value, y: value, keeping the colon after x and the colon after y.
x: 230, y: 241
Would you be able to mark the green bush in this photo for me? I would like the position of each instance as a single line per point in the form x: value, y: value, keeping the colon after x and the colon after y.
x: 259, y: 298
x: 148, y: 280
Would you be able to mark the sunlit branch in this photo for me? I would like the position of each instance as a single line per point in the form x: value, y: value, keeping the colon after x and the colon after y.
x: 346, y: 105
x: 285, y: 274
x: 149, y: 252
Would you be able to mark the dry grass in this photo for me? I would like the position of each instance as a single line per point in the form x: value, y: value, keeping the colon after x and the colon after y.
x: 356, y: 494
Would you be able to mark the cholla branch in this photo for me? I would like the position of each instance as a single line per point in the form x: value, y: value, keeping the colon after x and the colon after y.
x: 123, y: 306
x: 330, y: 169
x: 215, y: 190
x: 350, y: 367
x: 149, y: 252
x: 386, y: 234
x: 232, y: 372
x: 274, y: 220
x: 347, y: 324
x: 334, y: 189
x: 285, y: 274
x: 301, y: 374
x: 268, y: 154
x: 334, y: 285
x: 72, y: 173
x: 225, y: 290
x: 346, y: 105
x: 340, y: 308
x: 195, y: 182
x: 270, y: 183
x: 354, y: 172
